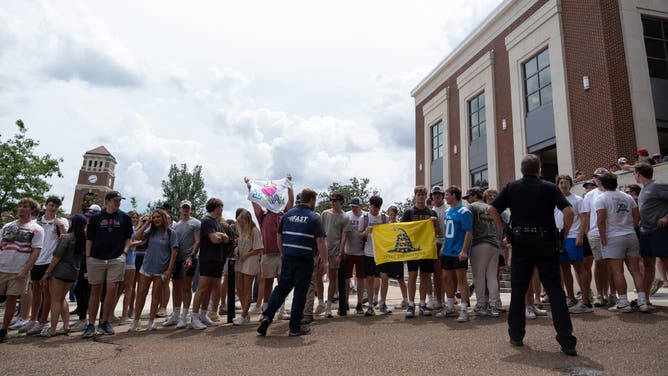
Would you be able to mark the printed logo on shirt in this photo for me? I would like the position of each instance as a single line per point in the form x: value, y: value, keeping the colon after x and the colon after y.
x: 298, y: 219
x: 110, y: 224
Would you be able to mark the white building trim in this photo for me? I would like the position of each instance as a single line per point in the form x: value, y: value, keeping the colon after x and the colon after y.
x: 434, y: 111
x: 644, y: 118
x: 477, y: 78
x: 542, y: 29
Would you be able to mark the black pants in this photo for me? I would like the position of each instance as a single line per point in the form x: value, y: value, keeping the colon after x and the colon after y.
x: 82, y: 294
x: 526, y: 256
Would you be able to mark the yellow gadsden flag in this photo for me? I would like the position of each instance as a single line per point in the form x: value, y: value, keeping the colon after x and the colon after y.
x: 404, y: 241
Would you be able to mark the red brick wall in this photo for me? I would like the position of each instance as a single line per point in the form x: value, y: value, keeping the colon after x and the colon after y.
x: 502, y: 110
x: 601, y: 117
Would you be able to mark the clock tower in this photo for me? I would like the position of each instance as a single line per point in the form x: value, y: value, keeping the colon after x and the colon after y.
x: 96, y: 178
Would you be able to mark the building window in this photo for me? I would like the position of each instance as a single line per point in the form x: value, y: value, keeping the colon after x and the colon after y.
x: 479, y: 178
x: 437, y: 141
x: 537, y: 80
x: 477, y: 116
x: 656, y: 46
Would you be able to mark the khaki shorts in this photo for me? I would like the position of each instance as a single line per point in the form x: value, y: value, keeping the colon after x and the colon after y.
x: 270, y: 265
x: 9, y: 285
x: 113, y: 270
x: 596, y: 247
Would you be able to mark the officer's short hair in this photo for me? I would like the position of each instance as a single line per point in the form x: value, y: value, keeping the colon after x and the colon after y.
x: 307, y: 195
x: 530, y: 164
x: 454, y: 190
x: 608, y: 181
x: 376, y: 201
x: 564, y: 177
x: 644, y: 169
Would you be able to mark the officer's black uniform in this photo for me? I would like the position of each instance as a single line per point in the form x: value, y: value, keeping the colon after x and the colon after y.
x: 534, y: 238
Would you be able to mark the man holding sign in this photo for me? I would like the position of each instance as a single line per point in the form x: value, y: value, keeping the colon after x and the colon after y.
x: 426, y: 265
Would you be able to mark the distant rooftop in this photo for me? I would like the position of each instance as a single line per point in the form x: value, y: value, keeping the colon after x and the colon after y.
x: 99, y: 150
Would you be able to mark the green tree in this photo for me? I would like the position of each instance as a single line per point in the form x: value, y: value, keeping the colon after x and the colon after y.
x: 133, y: 202
x: 184, y: 185
x: 23, y: 172
x: 89, y: 199
x: 403, y: 206
x: 356, y: 188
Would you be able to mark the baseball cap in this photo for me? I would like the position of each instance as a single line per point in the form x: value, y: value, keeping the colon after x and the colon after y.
x: 473, y: 191
x: 643, y: 151
x: 80, y: 218
x: 437, y: 189
x: 600, y: 171
x: 113, y: 195
x: 166, y: 206
x: 93, y: 209
x: 589, y: 182
x: 355, y: 201
x: 185, y: 203
x: 657, y: 155
x: 622, y: 160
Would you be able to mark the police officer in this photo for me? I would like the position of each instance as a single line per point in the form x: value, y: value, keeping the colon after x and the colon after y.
x: 300, y: 238
x: 535, y: 244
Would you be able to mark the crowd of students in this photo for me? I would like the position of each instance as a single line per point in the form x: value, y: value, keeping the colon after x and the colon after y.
x: 108, y: 254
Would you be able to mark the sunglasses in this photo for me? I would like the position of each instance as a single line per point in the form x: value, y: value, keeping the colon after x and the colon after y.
x: 331, y: 199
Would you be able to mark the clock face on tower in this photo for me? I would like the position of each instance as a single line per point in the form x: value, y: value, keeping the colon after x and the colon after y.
x: 92, y: 179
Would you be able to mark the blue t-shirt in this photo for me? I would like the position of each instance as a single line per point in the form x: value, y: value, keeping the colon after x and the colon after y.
x: 159, y: 250
x: 458, y: 220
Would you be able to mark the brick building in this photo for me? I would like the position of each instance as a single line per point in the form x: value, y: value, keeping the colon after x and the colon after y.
x: 96, y: 178
x: 579, y: 83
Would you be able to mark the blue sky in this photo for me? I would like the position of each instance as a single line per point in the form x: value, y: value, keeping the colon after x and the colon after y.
x: 254, y: 88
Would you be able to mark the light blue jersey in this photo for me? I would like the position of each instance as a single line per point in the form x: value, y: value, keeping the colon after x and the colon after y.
x: 458, y: 220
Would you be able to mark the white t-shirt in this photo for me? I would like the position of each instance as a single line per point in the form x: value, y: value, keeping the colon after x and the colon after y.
x: 577, y: 202
x: 17, y: 244
x: 354, y: 243
x: 373, y: 220
x: 50, y: 239
x: 618, y: 216
x: 588, y: 207
x: 440, y: 212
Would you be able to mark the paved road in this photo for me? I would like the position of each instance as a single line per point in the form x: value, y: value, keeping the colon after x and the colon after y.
x: 609, y: 344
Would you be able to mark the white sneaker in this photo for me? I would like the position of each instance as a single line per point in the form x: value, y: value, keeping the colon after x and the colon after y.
x: 445, y: 312
x: 18, y: 323
x: 580, y: 308
x: 204, y: 319
x: 152, y: 326
x: 431, y: 304
x: 480, y: 310
x: 241, y: 320
x: 196, y: 323
x: 182, y: 322
x: 463, y: 316
x: 79, y: 326
x: 537, y: 311
x: 282, y: 315
x: 134, y: 326
x: 27, y: 326
x: 171, y: 321
x: 36, y: 329
x: 529, y: 313
x: 255, y: 309
x: 320, y: 309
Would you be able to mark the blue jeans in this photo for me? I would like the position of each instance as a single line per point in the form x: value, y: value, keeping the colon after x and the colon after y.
x: 295, y: 273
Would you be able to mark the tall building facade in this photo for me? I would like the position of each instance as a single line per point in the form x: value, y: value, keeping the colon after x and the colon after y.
x: 96, y: 178
x: 579, y: 83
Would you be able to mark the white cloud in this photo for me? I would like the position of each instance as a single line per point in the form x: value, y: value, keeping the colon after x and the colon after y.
x: 319, y: 91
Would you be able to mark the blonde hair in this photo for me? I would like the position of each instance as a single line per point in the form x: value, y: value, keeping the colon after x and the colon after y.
x: 245, y: 223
